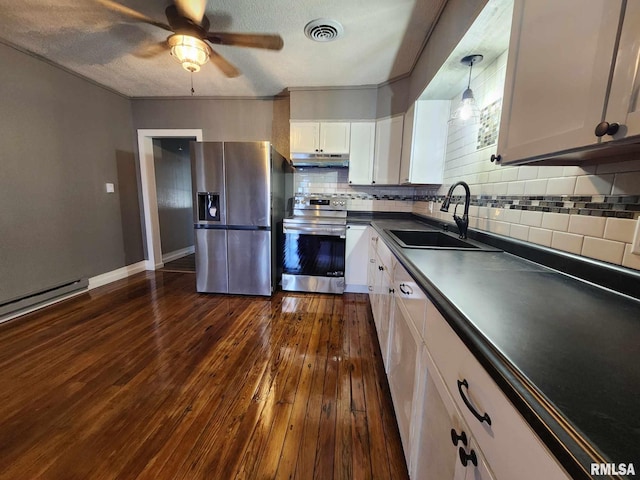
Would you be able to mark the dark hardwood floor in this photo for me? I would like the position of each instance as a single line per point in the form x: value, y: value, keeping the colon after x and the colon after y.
x: 144, y: 378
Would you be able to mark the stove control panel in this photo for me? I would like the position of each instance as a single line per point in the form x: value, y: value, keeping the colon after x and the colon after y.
x: 320, y: 202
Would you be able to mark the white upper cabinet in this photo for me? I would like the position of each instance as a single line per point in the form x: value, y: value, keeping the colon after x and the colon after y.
x: 320, y: 137
x: 388, y: 151
x: 624, y: 106
x: 560, y: 59
x: 363, y: 136
x: 424, y: 142
x: 305, y: 137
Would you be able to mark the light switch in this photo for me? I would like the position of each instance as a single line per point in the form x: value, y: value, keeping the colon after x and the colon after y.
x: 110, y: 188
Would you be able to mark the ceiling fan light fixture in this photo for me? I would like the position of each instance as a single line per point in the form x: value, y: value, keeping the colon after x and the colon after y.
x: 190, y: 51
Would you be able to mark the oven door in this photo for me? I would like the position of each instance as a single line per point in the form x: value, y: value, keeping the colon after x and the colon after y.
x: 314, y: 258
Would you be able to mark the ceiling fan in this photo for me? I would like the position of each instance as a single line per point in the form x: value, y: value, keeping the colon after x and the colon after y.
x: 190, y: 35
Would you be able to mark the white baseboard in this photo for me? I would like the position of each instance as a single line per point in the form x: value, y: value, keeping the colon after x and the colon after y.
x: 183, y: 252
x: 118, y: 274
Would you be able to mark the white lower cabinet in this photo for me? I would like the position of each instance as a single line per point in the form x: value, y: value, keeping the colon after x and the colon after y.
x: 454, y: 421
x: 511, y: 447
x: 403, y: 372
x: 444, y: 447
x: 356, y: 258
x: 379, y: 279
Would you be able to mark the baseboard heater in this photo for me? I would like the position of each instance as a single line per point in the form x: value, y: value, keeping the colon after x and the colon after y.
x: 42, y: 296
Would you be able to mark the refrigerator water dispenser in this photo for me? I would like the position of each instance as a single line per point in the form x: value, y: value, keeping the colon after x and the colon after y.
x: 208, y: 207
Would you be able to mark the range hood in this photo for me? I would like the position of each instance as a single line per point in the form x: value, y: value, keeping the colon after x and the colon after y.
x: 320, y: 159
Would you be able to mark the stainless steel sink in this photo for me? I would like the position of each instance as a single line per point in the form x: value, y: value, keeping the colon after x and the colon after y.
x: 433, y: 239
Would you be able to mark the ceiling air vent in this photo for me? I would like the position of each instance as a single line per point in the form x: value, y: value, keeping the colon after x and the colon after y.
x: 323, y: 30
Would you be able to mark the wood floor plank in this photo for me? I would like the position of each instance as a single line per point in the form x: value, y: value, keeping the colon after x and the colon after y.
x: 146, y: 379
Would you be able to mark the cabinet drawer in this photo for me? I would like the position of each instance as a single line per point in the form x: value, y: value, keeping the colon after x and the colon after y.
x: 509, y: 444
x: 407, y: 292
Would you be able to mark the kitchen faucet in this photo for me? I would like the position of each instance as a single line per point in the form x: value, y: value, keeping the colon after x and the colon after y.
x: 463, y: 223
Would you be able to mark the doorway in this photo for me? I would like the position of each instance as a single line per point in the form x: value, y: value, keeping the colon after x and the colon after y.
x: 153, y: 242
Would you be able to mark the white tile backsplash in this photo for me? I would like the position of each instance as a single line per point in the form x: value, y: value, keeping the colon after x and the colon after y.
x: 567, y: 242
x: 531, y: 218
x: 540, y: 236
x: 594, y: 184
x: 586, y: 225
x: 519, y: 231
x: 627, y: 184
x: 555, y: 221
x: 601, y: 249
x: 629, y: 259
x: 620, y: 229
x: 561, y: 186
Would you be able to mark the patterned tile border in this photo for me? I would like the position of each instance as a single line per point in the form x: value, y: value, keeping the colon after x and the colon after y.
x: 367, y: 196
x: 619, y: 206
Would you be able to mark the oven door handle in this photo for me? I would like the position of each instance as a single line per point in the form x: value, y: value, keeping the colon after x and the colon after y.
x: 336, y: 231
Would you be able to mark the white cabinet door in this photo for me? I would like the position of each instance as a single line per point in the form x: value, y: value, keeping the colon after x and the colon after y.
x: 624, y: 106
x: 373, y: 268
x: 509, y: 444
x: 304, y: 137
x: 442, y: 440
x: 404, y: 355
x: 424, y: 142
x: 334, y: 137
x: 362, y: 147
x: 435, y: 457
x: 384, y: 311
x: 316, y: 137
x: 560, y: 59
x: 386, y: 166
x: 356, y: 258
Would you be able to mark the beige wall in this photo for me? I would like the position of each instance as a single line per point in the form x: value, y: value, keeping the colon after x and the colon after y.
x: 63, y: 138
x: 347, y: 103
x: 220, y: 119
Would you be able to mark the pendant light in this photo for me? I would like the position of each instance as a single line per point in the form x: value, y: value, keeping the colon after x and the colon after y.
x: 467, y: 112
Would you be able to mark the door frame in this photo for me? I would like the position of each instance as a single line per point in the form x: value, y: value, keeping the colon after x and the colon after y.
x: 149, y: 194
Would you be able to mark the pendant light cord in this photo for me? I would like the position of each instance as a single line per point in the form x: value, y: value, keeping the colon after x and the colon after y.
x: 470, y: 69
x: 192, y: 90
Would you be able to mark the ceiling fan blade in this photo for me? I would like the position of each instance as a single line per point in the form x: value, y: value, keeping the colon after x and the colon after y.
x: 131, y: 13
x: 271, y: 42
x: 192, y: 9
x: 223, y: 64
x: 151, y: 49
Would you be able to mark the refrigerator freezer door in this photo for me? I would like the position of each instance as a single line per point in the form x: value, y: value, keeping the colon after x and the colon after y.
x: 207, y: 172
x: 211, y: 261
x: 248, y: 188
x: 250, y: 254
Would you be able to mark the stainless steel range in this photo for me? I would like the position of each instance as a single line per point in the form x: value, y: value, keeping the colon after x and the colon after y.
x: 314, y: 244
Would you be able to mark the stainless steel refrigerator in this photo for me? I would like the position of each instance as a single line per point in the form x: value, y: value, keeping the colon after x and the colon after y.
x: 241, y: 191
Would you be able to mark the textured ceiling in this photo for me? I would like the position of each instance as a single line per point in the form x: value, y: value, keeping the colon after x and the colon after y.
x: 381, y: 41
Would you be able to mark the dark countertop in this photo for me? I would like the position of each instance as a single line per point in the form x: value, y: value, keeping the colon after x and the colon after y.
x: 556, y: 345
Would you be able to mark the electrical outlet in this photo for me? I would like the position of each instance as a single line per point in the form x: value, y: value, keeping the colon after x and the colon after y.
x: 110, y: 187
x: 635, y: 246
x: 430, y: 207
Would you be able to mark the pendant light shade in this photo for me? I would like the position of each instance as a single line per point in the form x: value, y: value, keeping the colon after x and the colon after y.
x: 190, y: 51
x: 467, y: 112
